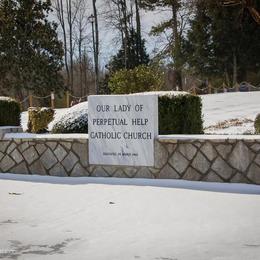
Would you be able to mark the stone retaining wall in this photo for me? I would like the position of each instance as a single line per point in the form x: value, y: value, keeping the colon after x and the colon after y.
x: 200, y: 158
x: 9, y: 129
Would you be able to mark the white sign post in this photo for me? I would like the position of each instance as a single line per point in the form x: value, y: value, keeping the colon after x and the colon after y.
x: 122, y: 129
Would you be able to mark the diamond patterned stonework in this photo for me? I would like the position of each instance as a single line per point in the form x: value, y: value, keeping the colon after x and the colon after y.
x: 179, y: 162
x: 241, y: 157
x: 48, y: 159
x: 7, y: 163
x: 30, y: 155
x: 187, y: 150
x: 200, y: 163
x: 168, y: 173
x: 162, y: 155
x: 208, y: 150
x: 222, y: 168
x: 60, y: 153
x: 70, y: 161
x: 224, y: 150
x: 213, y: 160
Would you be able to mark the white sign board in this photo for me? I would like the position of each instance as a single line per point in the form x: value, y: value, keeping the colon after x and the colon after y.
x: 122, y: 129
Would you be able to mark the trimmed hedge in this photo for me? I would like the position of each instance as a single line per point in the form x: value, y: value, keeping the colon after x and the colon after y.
x: 10, y: 111
x: 39, y: 118
x: 181, y: 114
x: 257, y: 124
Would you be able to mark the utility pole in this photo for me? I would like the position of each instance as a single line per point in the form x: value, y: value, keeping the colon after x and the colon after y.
x: 95, y: 50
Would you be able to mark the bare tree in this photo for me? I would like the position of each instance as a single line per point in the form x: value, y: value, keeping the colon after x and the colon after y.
x: 58, y: 5
x: 81, y: 39
x: 96, y: 45
x: 66, y: 14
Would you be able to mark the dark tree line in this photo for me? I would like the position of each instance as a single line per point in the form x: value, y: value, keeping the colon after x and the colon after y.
x: 209, y: 40
x: 30, y: 52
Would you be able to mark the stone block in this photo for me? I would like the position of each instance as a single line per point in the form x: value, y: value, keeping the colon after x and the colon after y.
x: 178, y: 162
x: 224, y: 150
x: 257, y: 159
x: 209, y: 151
x: 200, y: 163
x: 254, y: 173
x: 120, y: 174
x: 52, y: 145
x: 20, y: 169
x: 11, y: 147
x: 154, y: 171
x: 255, y: 147
x: 23, y: 146
x: 60, y: 153
x: 222, y: 168
x: 1, y: 155
x: 41, y: 148
x: 16, y: 156
x: 239, y: 178
x: 110, y: 169
x: 130, y: 171
x: 67, y: 145
x: 170, y: 148
x: 212, y: 177
x: 241, y: 157
x: 81, y: 150
x: 70, y: 160
x: 79, y: 171
x: 197, y: 144
x: 3, y: 145
x: 37, y: 168
x: 30, y: 155
x: 144, y: 173
x: 191, y: 175
x: 58, y: 170
x: 99, y: 172
x: 168, y: 173
x: 48, y: 159
x: 18, y: 141
x: 161, y: 155
x: 7, y: 163
x: 187, y: 150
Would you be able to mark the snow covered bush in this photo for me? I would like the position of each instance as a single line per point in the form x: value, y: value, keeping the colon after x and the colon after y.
x: 39, y: 118
x: 180, y: 114
x: 74, y: 121
x: 9, y: 112
x: 257, y: 124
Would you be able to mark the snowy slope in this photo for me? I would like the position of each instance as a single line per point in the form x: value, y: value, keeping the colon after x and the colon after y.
x: 117, y: 219
x: 225, y: 106
x: 217, y: 108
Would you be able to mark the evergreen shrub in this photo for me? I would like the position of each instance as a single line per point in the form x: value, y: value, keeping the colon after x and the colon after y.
x: 39, y: 118
x: 180, y: 114
x: 74, y: 121
x: 10, y: 111
x: 257, y: 124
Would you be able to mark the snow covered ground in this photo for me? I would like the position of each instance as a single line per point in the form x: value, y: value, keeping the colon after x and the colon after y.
x: 122, y: 219
x: 242, y: 107
x: 224, y: 113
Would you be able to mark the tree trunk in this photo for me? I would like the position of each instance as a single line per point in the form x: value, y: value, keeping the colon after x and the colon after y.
x: 234, y: 68
x: 138, y: 31
x: 96, y: 54
x: 176, y: 49
x: 60, y: 15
